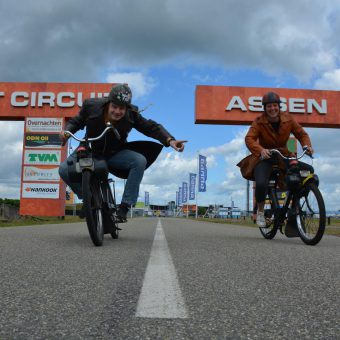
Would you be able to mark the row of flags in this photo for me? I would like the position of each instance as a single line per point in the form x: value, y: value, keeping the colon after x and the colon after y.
x: 187, y: 191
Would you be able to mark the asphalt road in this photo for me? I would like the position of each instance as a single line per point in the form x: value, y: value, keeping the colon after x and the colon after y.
x: 54, y: 284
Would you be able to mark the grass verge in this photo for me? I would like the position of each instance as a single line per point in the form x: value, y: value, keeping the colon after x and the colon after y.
x: 331, y: 229
x: 35, y: 220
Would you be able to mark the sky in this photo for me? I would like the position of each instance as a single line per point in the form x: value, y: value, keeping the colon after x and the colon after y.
x: 163, y: 49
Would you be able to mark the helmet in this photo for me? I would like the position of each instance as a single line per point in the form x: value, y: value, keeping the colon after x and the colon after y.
x: 270, y: 97
x: 120, y: 94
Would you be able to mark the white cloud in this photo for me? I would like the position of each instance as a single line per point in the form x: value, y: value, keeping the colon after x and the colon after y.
x: 140, y: 84
x: 329, y: 80
x: 162, y: 180
x: 298, y: 37
x: 172, y: 167
x: 11, y: 141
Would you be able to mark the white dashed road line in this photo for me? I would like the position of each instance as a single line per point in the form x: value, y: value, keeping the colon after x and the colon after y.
x: 161, y: 295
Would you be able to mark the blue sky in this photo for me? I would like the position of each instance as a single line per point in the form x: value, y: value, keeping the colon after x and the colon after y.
x: 164, y: 49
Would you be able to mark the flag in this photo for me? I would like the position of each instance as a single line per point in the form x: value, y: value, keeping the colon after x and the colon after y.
x: 202, y: 173
x: 192, y: 184
x: 185, y: 192
x: 146, y: 199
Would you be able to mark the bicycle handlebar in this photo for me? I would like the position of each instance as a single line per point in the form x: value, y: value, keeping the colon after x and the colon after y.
x: 290, y: 158
x: 109, y: 127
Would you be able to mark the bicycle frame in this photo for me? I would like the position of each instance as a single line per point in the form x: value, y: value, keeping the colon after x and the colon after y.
x: 280, y: 214
x: 99, y: 198
x: 303, y: 211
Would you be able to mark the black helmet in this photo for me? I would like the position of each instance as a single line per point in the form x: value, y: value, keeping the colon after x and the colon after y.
x: 270, y: 97
x: 120, y: 94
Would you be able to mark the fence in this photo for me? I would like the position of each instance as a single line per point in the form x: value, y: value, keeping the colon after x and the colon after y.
x: 8, y: 212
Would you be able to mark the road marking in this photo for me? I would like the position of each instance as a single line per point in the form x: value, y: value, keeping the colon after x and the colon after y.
x: 161, y: 296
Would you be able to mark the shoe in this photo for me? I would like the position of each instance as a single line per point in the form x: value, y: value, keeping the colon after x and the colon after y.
x: 260, y: 220
x: 81, y: 213
x: 122, y: 212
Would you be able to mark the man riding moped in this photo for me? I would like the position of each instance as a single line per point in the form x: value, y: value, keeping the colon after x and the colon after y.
x: 125, y: 160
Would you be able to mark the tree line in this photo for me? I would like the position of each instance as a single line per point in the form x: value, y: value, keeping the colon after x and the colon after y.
x: 9, y: 201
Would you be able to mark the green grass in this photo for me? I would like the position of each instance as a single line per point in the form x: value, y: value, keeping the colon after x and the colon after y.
x: 35, y: 220
x: 332, y: 229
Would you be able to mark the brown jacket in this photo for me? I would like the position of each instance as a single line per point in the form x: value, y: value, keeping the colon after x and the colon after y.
x: 261, y: 135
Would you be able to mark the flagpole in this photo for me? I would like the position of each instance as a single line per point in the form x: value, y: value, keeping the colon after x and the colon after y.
x: 197, y: 185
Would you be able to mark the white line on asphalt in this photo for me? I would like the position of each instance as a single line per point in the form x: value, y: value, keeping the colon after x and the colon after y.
x: 161, y: 295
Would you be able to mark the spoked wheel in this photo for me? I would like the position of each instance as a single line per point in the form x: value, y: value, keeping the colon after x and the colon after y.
x: 110, y: 224
x: 270, y: 230
x: 311, y: 215
x: 115, y: 233
x: 92, y: 200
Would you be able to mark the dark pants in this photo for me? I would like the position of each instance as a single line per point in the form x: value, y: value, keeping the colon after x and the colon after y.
x: 262, y: 173
x: 125, y: 159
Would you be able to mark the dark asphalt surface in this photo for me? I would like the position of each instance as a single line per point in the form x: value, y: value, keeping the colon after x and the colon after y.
x: 54, y: 284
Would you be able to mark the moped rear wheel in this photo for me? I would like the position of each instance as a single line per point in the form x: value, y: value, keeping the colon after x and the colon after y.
x: 93, y: 204
x: 110, y: 220
x: 270, y: 230
x: 311, y: 214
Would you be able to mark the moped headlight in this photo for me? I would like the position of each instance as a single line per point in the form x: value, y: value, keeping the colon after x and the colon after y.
x: 304, y: 173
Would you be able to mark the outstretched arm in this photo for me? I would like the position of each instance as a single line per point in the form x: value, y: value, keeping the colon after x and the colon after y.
x: 177, y: 145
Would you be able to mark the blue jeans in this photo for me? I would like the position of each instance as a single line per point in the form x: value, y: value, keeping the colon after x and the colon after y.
x: 124, y: 160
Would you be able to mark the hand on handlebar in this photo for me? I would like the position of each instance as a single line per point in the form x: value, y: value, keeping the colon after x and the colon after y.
x: 64, y: 136
x: 265, y: 154
x: 309, y: 151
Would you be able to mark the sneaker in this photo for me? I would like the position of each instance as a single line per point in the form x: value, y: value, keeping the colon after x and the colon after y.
x: 122, y: 212
x: 260, y: 220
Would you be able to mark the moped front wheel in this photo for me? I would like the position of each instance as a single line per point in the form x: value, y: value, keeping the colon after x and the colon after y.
x: 93, y: 204
x: 311, y: 214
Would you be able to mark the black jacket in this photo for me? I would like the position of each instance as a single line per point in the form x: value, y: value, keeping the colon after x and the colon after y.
x: 91, y: 115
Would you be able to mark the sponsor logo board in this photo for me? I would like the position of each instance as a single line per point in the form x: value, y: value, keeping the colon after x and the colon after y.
x: 47, y: 140
x: 44, y: 124
x: 42, y: 157
x: 41, y: 173
x: 40, y: 190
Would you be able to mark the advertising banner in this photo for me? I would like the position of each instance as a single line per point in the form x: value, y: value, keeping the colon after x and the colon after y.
x: 42, y: 157
x: 40, y: 190
x: 44, y: 124
x: 46, y: 140
x: 146, y: 199
x: 202, y: 173
x: 185, y: 192
x: 235, y: 105
x: 179, y: 195
x: 41, y: 173
x: 192, y: 185
x: 46, y: 100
